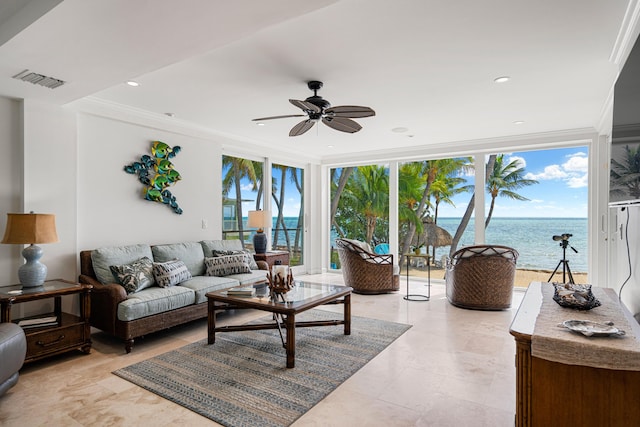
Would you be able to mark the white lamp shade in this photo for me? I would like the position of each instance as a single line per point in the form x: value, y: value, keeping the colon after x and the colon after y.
x: 259, y: 219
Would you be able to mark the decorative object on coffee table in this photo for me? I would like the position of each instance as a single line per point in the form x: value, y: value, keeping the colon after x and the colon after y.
x: 29, y: 229
x: 280, y: 279
x: 261, y: 220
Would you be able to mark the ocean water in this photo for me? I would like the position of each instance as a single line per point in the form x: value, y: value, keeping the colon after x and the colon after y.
x: 531, y: 237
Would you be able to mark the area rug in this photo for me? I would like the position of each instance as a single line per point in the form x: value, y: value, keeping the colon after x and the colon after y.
x: 241, y: 380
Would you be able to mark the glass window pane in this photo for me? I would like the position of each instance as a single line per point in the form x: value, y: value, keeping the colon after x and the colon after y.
x: 435, y: 208
x: 536, y: 203
x: 359, y: 207
x: 241, y: 192
x: 288, y: 211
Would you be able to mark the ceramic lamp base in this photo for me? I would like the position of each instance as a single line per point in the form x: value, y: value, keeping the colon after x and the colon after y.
x: 260, y: 242
x: 33, y: 273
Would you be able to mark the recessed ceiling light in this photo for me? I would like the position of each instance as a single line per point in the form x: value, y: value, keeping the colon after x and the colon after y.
x: 329, y: 146
x: 518, y: 122
x: 399, y: 130
x: 502, y: 79
x: 132, y: 83
x: 259, y: 124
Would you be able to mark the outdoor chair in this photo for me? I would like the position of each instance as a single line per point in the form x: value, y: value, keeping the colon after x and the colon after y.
x: 365, y: 271
x: 481, y: 277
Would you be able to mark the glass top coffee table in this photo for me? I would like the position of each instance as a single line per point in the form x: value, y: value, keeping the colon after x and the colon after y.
x: 304, y: 296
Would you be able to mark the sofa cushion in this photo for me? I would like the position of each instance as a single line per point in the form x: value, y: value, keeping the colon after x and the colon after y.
x: 170, y: 273
x: 103, y: 258
x: 154, y: 300
x: 190, y: 253
x: 226, y: 265
x: 248, y: 258
x: 135, y: 276
x: 220, y: 245
x: 203, y: 284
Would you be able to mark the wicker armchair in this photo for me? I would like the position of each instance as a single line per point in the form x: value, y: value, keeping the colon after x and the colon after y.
x: 481, y: 277
x: 367, y: 272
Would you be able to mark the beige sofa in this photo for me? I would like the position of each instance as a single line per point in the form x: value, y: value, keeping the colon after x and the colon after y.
x: 128, y: 313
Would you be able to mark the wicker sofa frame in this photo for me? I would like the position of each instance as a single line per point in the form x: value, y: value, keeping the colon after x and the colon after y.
x: 104, y: 307
x: 367, y: 272
x: 481, y: 277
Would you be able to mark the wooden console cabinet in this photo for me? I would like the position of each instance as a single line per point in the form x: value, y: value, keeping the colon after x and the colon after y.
x: 556, y: 394
x: 272, y: 256
x: 70, y: 332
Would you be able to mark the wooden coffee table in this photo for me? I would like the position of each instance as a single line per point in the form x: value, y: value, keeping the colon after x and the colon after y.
x: 303, y: 297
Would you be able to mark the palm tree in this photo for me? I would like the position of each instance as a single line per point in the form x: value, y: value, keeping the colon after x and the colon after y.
x: 279, y: 201
x: 430, y: 169
x: 339, y: 178
x: 464, y: 222
x: 237, y: 170
x: 365, y: 199
x: 625, y: 174
x: 503, y: 180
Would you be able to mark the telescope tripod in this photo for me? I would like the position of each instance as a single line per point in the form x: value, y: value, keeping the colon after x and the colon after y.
x: 564, y: 263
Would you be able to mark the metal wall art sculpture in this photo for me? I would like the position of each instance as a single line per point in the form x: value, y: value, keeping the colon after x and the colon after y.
x: 157, y: 173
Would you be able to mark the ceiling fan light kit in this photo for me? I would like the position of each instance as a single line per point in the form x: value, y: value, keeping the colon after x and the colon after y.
x: 318, y: 109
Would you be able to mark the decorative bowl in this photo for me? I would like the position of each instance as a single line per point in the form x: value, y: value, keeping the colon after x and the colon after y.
x: 576, y: 296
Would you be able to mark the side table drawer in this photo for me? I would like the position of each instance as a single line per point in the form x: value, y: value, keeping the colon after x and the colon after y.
x: 54, y: 339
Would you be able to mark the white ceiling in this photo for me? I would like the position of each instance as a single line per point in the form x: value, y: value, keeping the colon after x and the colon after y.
x: 424, y: 65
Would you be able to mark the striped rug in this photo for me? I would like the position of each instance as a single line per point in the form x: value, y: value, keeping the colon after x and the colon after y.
x: 242, y: 380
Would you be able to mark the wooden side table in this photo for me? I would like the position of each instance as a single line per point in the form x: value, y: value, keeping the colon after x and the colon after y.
x: 270, y: 257
x: 68, y: 332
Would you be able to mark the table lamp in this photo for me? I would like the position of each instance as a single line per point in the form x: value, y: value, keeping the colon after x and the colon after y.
x: 29, y: 229
x: 261, y: 220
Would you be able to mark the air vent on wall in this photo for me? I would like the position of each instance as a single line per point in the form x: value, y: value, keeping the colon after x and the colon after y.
x: 39, y: 79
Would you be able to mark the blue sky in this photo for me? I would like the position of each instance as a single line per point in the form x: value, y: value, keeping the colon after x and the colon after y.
x: 562, y: 176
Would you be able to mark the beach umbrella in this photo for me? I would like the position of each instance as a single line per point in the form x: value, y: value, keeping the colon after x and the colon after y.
x: 434, y: 235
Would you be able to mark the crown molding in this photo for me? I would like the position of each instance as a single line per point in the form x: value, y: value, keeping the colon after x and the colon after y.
x: 119, y: 112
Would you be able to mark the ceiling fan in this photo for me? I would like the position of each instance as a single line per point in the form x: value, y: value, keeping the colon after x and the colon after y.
x: 317, y: 108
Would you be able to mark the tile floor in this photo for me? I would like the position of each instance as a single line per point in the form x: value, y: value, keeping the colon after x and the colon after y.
x: 454, y: 367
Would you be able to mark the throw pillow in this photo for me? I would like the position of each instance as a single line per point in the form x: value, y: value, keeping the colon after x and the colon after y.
x: 135, y: 276
x: 248, y: 257
x: 170, y: 273
x: 226, y: 265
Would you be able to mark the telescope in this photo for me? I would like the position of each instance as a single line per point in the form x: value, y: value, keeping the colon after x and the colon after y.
x: 562, y: 237
x: 564, y: 242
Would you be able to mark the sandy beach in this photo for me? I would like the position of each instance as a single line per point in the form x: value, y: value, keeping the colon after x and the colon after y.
x: 523, y: 277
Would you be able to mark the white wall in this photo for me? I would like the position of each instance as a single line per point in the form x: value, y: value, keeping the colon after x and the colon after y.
x: 111, y: 209
x: 10, y: 183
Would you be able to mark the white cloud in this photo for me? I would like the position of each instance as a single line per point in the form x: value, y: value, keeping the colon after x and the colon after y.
x: 521, y: 162
x: 577, y: 163
x: 578, y: 181
x: 573, y: 171
x: 550, y: 172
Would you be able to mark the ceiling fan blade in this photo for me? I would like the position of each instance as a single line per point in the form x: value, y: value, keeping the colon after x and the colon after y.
x: 277, y: 117
x: 351, y: 111
x: 305, y: 106
x: 342, y: 124
x: 301, y: 127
